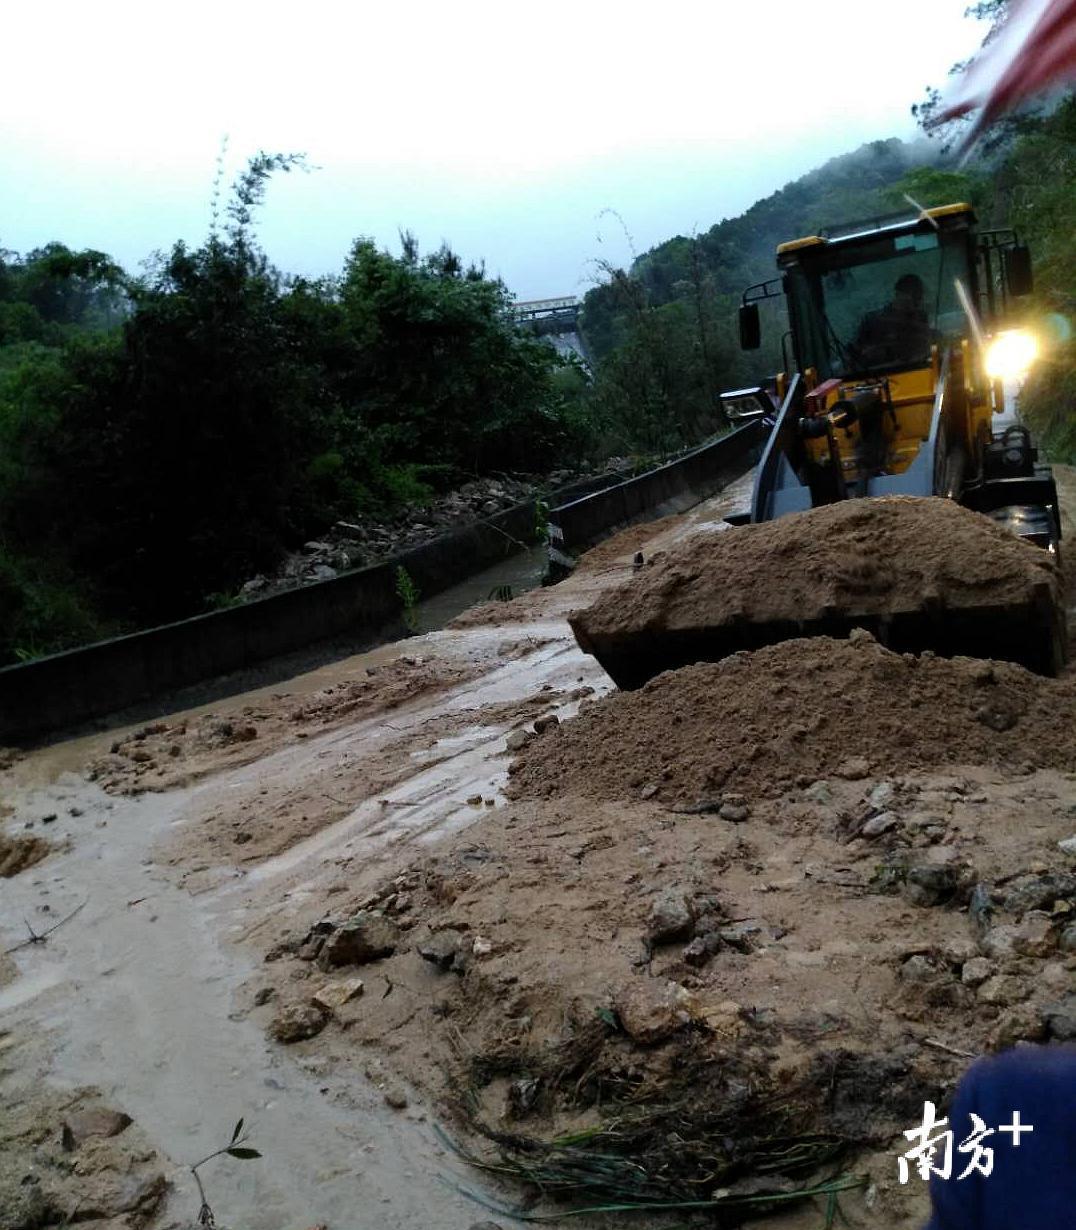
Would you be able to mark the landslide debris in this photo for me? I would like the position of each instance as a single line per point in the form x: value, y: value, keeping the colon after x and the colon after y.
x: 676, y: 993
x: 795, y: 712
x: 869, y: 557
x: 164, y: 755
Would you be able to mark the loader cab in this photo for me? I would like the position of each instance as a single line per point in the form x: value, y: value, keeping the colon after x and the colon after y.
x: 878, y: 301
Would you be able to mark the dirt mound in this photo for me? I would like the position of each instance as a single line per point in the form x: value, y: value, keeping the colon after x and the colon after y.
x: 798, y: 711
x: 18, y: 853
x: 871, y: 557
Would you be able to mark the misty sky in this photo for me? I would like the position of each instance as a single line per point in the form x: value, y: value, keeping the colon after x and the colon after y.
x: 504, y: 128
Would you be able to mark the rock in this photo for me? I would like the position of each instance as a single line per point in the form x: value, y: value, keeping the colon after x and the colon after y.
x: 22, y: 1202
x: 334, y: 995
x: 313, y: 548
x: 481, y: 947
x: 395, y: 1097
x: 474, y: 800
x: 263, y: 995
x: 999, y: 942
x: 1038, y: 892
x: 976, y: 971
x: 1004, y: 989
x: 1068, y: 846
x: 323, y: 572
x: 880, y: 824
x: 297, y: 1022
x: 648, y: 792
x: 651, y: 1010
x: 1060, y: 1019
x: 740, y: 936
x: 542, y: 724
x: 959, y: 949
x: 671, y: 918
x: 1067, y: 942
x: 854, y: 768
x: 1019, y: 1024
x: 441, y: 948
x: 724, y: 1018
x: 310, y: 948
x: 929, y: 885
x: 735, y: 813
x: 366, y: 937
x: 522, y: 1095
x: 820, y: 793
x: 517, y: 740
x: 919, y: 969
x: 97, y: 1121
x: 882, y: 796
x: 1036, y: 935
x: 698, y: 952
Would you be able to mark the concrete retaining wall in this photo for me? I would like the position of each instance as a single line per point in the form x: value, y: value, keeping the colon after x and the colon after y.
x: 70, y: 689
x: 671, y: 488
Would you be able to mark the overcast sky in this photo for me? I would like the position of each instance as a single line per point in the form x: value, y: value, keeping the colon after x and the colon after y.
x: 505, y: 128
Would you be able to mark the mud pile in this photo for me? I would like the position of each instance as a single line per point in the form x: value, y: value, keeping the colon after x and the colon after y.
x: 873, y: 557
x: 796, y: 712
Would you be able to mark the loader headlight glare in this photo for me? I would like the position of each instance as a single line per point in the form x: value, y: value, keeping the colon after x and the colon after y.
x: 1011, y: 354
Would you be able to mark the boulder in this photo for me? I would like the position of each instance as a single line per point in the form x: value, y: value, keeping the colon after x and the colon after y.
x: 652, y: 1010
x: 334, y: 995
x: 441, y: 948
x: 367, y: 937
x: 96, y: 1121
x: 671, y: 918
x: 297, y: 1022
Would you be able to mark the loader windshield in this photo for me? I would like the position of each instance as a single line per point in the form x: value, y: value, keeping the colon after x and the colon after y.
x: 877, y: 305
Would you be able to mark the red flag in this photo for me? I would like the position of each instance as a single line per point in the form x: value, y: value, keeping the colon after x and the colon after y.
x: 1035, y: 52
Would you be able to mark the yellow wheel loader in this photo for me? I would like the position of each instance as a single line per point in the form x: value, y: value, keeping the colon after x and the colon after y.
x: 901, y: 341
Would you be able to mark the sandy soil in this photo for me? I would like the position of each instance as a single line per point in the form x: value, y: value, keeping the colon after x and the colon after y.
x: 802, y: 957
x: 862, y: 557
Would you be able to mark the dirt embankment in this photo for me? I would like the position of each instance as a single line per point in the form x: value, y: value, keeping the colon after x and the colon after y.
x: 867, y: 557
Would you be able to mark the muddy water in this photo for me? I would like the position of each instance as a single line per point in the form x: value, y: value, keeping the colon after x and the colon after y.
x: 520, y: 572
x: 138, y: 993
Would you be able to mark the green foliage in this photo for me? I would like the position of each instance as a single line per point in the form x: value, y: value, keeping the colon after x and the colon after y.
x: 408, y: 593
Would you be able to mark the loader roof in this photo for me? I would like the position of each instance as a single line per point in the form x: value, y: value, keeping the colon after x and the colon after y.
x: 892, y: 224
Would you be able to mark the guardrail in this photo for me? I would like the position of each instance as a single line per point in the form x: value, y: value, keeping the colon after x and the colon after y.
x: 358, y: 609
x: 670, y: 488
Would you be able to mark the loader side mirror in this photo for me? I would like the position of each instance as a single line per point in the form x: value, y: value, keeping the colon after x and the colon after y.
x: 1018, y: 276
x: 750, y: 327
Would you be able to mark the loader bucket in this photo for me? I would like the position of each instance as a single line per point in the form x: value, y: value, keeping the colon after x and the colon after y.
x: 919, y: 574
x: 1031, y: 634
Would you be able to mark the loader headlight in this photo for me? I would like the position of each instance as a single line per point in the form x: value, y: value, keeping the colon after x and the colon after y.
x: 1011, y: 354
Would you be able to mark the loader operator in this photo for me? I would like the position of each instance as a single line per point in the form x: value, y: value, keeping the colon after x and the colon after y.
x: 899, y: 333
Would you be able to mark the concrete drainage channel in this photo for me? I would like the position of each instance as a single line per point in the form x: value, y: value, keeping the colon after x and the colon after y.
x: 357, y: 609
